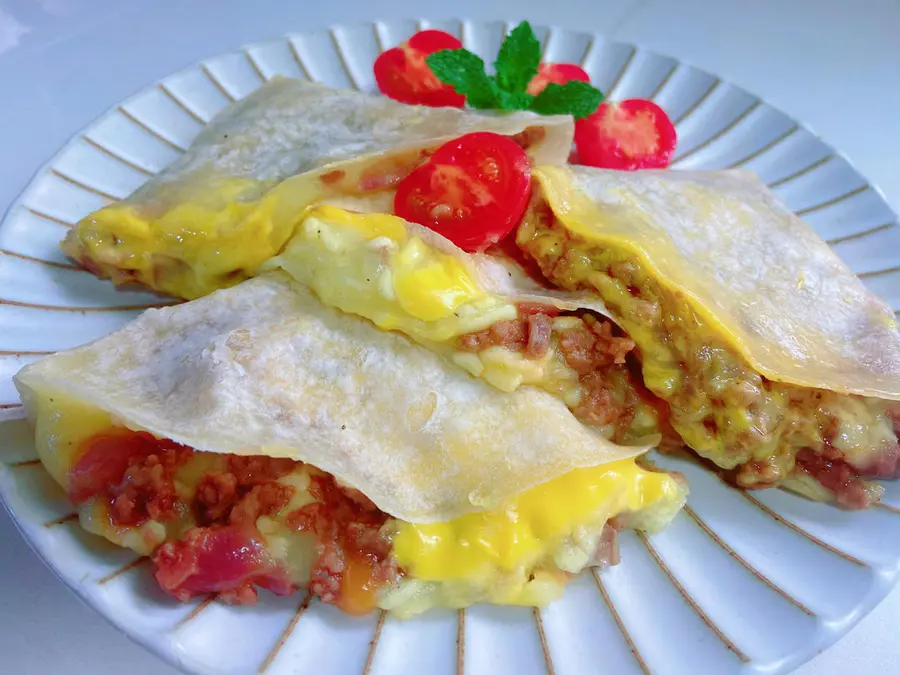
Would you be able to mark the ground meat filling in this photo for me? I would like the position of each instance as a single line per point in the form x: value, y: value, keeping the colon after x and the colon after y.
x: 213, y: 544
x: 593, y: 348
x: 512, y: 334
x: 352, y: 545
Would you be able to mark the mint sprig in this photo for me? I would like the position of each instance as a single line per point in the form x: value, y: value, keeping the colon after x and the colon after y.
x: 517, y: 63
x: 518, y: 60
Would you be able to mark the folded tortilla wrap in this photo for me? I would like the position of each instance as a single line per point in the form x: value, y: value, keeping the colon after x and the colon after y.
x: 774, y: 358
x: 209, y: 219
x: 265, y: 372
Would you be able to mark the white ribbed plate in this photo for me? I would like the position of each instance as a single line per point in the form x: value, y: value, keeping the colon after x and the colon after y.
x: 739, y: 583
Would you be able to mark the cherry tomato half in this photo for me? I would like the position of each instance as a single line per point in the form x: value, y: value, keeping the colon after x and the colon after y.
x: 403, y: 75
x: 557, y: 73
x: 630, y: 135
x: 473, y: 190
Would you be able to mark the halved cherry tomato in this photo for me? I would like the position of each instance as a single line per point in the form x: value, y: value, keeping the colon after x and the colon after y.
x: 403, y: 75
x: 630, y: 135
x: 557, y: 73
x: 473, y: 190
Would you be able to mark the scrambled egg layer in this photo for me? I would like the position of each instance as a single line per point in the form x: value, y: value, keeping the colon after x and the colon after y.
x: 516, y: 554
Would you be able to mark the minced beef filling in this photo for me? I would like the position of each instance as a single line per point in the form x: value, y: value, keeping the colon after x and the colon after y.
x: 594, y: 349
x: 350, y: 539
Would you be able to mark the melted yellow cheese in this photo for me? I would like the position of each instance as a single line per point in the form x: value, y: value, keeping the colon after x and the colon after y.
x: 532, y: 527
x: 197, y: 246
x: 368, y: 265
x: 62, y: 424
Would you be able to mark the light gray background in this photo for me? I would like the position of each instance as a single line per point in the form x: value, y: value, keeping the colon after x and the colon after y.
x: 833, y: 64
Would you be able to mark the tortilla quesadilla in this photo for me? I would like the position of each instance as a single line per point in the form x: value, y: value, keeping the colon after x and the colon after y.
x: 212, y: 217
x: 257, y: 439
x: 774, y: 360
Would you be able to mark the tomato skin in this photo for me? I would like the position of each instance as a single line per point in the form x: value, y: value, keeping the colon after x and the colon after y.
x: 557, y: 73
x: 629, y: 135
x: 473, y: 190
x: 403, y: 75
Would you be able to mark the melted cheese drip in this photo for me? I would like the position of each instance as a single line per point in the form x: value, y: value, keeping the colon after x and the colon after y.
x: 532, y: 527
x: 195, y: 247
x: 367, y: 264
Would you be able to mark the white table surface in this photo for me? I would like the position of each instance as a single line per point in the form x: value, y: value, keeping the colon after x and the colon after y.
x: 833, y: 64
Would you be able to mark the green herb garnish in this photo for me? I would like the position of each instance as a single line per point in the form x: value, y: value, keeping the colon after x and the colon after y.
x: 516, y: 65
x: 464, y: 71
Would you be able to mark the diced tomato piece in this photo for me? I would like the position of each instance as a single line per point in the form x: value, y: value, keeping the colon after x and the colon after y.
x: 105, y: 458
x: 630, y: 135
x: 217, y: 560
x: 473, y: 190
x: 838, y: 477
x: 557, y: 73
x: 403, y: 75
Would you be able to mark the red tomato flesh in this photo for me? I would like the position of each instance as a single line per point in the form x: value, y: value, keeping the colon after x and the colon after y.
x: 403, y: 75
x: 473, y: 190
x: 105, y: 458
x: 557, y: 73
x: 216, y: 560
x: 630, y: 135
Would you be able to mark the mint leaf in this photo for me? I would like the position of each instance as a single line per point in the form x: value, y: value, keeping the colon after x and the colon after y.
x: 518, y: 60
x: 464, y: 71
x: 575, y: 98
x: 510, y: 101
